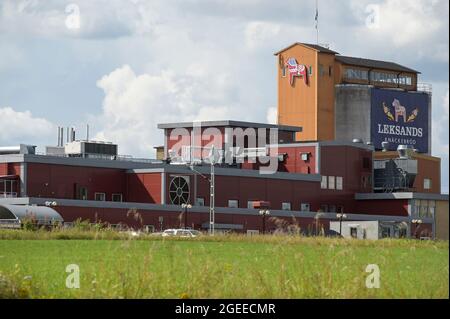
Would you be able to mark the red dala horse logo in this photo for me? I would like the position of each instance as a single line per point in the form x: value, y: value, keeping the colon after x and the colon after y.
x: 400, y: 111
x: 295, y: 70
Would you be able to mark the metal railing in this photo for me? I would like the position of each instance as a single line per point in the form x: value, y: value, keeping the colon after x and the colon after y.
x: 425, y: 87
x: 122, y: 158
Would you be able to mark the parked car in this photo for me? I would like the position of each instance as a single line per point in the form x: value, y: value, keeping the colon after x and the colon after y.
x: 181, y: 233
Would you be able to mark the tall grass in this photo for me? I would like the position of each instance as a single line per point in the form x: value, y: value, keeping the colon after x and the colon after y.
x: 223, y: 266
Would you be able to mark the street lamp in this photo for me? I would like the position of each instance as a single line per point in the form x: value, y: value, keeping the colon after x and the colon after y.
x: 417, y: 223
x: 185, y: 208
x: 264, y: 213
x: 340, y: 217
x: 213, y: 158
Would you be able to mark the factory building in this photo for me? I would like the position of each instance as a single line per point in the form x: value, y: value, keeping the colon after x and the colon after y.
x: 330, y: 157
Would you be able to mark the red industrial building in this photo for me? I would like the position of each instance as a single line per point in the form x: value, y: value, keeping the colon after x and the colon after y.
x: 312, y: 184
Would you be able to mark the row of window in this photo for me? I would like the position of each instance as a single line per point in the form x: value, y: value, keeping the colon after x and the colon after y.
x: 423, y: 208
x: 332, y: 182
x: 304, y: 207
x: 102, y: 197
x: 377, y: 76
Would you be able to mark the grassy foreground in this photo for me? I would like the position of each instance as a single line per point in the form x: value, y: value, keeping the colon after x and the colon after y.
x: 220, y: 267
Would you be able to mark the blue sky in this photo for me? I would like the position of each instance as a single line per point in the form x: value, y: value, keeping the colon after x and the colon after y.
x: 131, y: 64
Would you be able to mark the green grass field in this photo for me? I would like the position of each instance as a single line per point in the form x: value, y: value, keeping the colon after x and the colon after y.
x: 221, y: 267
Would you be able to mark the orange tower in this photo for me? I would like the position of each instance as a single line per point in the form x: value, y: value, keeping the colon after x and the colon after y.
x: 306, y: 79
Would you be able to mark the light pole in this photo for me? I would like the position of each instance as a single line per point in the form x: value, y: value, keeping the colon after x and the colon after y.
x: 340, y: 217
x: 417, y: 223
x: 212, y: 157
x: 161, y: 220
x: 264, y: 213
x: 185, y: 208
x: 212, y: 212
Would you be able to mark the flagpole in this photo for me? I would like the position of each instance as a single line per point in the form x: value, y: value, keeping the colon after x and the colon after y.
x: 317, y: 22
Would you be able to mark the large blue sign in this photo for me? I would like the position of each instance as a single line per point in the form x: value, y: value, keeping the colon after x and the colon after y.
x: 400, y: 118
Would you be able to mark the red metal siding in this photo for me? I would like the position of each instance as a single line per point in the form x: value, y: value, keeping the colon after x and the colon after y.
x: 144, y: 188
x: 194, y: 219
x: 294, y: 162
x: 247, y: 189
x: 59, y: 181
x: 397, y: 207
x: 3, y: 169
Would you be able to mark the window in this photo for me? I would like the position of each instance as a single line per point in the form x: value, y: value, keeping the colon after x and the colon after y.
x: 100, y: 197
x: 356, y: 74
x: 384, y: 77
x: 431, y: 208
x: 321, y: 70
x: 250, y: 204
x: 323, y: 183
x: 415, y: 208
x: 305, y: 207
x: 305, y: 156
x: 324, y: 208
x: 331, y: 182
x: 405, y: 80
x: 330, y: 71
x: 117, y: 197
x: 423, y: 208
x: 283, y: 71
x: 200, y: 201
x: 354, y: 232
x: 426, y: 183
x: 234, y: 203
x: 310, y: 70
x: 286, y: 206
x: 332, y: 209
x: 82, y: 193
x: 386, y: 231
x: 339, y: 183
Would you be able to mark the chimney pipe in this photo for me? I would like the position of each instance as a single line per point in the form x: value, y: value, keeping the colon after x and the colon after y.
x: 61, y: 136
x: 87, y: 132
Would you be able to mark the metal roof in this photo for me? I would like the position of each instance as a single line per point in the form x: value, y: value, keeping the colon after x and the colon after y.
x: 229, y: 123
x: 312, y: 46
x: 376, y: 64
x: 42, y: 214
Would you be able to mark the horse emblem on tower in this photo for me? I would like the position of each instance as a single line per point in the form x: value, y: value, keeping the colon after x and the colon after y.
x: 296, y: 70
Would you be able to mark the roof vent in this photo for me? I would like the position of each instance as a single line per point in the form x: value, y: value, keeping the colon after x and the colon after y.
x: 404, y: 152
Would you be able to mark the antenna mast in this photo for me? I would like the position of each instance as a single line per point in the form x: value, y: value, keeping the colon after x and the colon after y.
x: 317, y: 22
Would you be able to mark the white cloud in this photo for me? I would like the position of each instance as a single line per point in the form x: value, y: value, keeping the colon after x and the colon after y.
x: 259, y: 33
x: 272, y: 115
x: 440, y: 135
x: 95, y: 19
x: 408, y: 31
x: 23, y: 127
x: 134, y: 104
